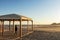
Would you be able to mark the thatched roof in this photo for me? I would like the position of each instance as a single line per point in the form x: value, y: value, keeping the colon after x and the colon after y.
x: 14, y: 17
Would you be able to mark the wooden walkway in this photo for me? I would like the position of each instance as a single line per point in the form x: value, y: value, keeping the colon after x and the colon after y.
x: 8, y: 35
x: 11, y: 36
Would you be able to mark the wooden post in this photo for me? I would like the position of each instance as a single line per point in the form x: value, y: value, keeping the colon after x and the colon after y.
x: 13, y: 27
x: 27, y: 26
x: 32, y: 25
x: 20, y: 27
x: 9, y: 25
x: 2, y: 27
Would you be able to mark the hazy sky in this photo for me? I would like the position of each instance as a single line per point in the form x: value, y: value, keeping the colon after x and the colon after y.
x: 41, y: 11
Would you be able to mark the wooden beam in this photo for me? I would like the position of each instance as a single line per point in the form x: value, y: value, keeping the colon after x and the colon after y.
x: 27, y: 26
x: 32, y: 25
x: 2, y: 27
x: 20, y: 27
x: 13, y: 27
x: 9, y: 25
x: 27, y: 34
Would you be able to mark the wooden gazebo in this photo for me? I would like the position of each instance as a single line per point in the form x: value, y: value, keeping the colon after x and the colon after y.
x: 15, y: 17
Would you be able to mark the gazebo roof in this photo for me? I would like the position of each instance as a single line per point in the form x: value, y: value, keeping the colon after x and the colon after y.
x: 14, y: 17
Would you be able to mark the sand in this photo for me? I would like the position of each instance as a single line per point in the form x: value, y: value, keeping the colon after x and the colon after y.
x: 49, y: 29
x: 42, y: 33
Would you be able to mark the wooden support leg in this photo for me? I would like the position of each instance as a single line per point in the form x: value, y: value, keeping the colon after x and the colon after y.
x: 32, y: 25
x: 2, y: 27
x: 20, y: 27
x: 9, y: 25
x: 13, y: 27
x: 27, y: 26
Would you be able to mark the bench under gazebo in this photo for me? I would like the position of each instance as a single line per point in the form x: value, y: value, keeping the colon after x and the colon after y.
x: 11, y: 28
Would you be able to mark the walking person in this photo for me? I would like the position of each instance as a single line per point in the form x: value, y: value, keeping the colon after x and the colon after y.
x: 16, y: 29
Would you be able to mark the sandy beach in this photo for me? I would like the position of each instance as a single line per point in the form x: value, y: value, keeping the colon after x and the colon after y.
x: 41, y: 33
x: 44, y: 33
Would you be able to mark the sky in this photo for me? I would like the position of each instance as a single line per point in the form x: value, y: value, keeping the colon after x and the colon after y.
x: 41, y: 11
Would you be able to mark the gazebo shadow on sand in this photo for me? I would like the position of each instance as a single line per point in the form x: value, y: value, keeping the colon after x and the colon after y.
x: 8, y: 31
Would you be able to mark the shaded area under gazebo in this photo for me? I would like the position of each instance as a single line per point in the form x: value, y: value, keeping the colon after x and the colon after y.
x: 22, y: 31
